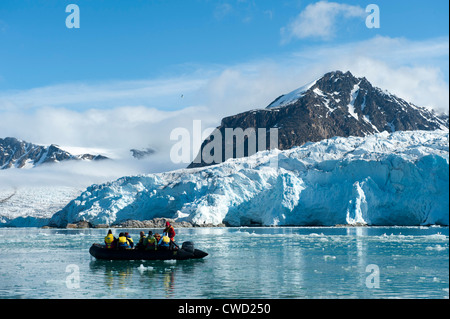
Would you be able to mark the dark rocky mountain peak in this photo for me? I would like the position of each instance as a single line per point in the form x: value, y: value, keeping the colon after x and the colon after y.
x: 337, y: 104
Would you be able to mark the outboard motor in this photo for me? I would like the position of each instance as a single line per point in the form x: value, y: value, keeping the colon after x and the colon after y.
x: 188, y: 246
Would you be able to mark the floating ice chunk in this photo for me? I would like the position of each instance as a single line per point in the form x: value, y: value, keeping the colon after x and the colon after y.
x: 143, y: 269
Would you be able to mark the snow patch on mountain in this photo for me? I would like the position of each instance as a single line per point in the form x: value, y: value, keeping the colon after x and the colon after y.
x: 291, y: 97
x: 351, y: 105
x: 382, y: 179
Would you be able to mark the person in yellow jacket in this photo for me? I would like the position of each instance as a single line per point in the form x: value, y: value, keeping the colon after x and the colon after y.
x: 110, y: 240
x: 164, y: 242
x: 122, y: 242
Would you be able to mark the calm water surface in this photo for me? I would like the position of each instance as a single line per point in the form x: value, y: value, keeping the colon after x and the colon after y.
x: 292, y: 262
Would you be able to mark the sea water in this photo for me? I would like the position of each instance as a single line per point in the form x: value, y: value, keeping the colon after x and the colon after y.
x: 288, y: 262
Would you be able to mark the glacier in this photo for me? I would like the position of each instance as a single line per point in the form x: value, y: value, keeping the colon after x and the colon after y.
x: 32, y: 205
x: 399, y: 178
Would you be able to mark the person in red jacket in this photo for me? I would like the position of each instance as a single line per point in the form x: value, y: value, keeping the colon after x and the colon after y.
x: 170, y: 231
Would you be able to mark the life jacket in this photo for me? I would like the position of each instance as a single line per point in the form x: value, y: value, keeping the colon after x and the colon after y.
x: 142, y: 240
x: 123, y: 242
x: 151, y: 243
x: 130, y: 241
x: 109, y: 240
x: 165, y: 241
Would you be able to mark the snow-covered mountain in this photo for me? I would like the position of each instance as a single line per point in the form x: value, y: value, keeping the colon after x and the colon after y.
x: 337, y: 104
x: 399, y: 178
x: 20, y: 154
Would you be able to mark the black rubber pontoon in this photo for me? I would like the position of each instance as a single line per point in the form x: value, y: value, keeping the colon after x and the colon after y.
x: 187, y: 251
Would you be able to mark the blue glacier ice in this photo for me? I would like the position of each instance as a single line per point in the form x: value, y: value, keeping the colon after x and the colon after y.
x: 382, y: 179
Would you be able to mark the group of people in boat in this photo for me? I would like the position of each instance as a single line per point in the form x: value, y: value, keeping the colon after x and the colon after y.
x: 149, y: 242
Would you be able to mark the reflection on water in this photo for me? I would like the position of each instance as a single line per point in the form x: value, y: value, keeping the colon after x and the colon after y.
x: 155, y: 278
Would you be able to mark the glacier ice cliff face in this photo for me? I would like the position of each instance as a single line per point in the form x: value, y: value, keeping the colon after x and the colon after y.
x: 382, y: 179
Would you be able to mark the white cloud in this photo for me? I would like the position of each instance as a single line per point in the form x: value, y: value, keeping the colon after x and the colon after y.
x: 319, y: 20
x: 115, y: 130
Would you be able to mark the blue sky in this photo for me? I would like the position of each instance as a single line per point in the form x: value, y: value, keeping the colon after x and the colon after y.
x: 137, y: 69
x: 129, y: 40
